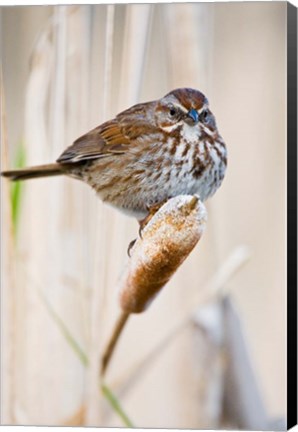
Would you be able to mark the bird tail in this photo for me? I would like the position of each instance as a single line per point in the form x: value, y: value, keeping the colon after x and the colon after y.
x: 34, y: 172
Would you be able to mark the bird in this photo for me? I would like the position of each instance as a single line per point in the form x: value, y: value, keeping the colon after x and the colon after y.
x: 147, y: 154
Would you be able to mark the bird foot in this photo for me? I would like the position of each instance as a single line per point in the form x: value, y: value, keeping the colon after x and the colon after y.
x: 151, y: 212
x: 143, y: 222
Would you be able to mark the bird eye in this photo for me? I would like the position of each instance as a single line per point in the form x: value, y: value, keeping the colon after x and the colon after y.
x: 173, y: 111
x: 204, y: 115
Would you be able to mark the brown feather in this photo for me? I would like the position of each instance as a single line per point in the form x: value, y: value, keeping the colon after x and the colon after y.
x: 112, y: 137
x: 97, y: 143
x: 34, y: 172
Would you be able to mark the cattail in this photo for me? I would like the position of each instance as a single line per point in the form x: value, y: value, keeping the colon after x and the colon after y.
x: 166, y: 242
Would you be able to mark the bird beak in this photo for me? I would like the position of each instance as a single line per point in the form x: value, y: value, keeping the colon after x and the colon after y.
x: 192, y: 117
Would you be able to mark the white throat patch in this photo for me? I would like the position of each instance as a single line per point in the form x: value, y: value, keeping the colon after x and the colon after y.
x: 191, y: 134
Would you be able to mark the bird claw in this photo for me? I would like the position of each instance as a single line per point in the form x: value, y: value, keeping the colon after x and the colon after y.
x: 151, y: 212
x: 141, y: 227
x: 130, y: 246
x: 143, y: 222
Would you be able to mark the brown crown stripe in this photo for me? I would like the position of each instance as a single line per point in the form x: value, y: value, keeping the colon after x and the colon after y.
x: 190, y: 98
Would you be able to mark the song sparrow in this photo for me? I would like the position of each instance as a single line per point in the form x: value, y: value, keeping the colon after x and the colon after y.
x: 147, y: 154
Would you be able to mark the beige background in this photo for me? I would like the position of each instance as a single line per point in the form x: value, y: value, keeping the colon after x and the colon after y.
x: 67, y: 69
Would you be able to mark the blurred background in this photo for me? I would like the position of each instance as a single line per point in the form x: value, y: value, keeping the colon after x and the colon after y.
x: 210, y: 351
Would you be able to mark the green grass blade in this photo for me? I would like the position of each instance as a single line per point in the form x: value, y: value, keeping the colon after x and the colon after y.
x: 17, y: 189
x: 116, y: 405
x: 84, y: 359
x: 65, y: 331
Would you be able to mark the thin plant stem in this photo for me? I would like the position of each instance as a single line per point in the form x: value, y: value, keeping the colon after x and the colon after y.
x: 116, y: 405
x: 65, y: 331
x: 107, y: 355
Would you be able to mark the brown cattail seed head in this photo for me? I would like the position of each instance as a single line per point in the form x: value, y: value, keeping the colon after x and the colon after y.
x: 166, y: 242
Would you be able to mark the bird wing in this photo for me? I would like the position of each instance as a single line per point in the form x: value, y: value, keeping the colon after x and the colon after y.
x: 99, y: 142
x: 114, y: 137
